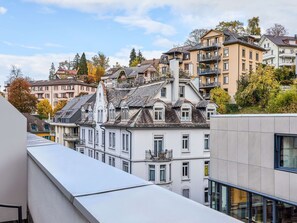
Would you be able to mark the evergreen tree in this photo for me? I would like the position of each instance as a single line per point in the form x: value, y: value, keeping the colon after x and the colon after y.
x: 140, y: 57
x: 132, y: 56
x: 83, y: 67
x: 76, y: 61
x: 52, y: 72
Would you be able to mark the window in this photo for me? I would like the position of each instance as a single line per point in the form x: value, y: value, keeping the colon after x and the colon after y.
x: 243, y: 66
x: 111, y: 114
x: 251, y: 55
x: 87, y: 88
x: 186, y: 56
x: 243, y: 52
x: 163, y: 92
x: 206, y: 200
x: 257, y: 56
x: 151, y: 173
x: 170, y: 172
x: 81, y: 150
x: 97, y: 155
x: 125, y: 113
x: 226, y: 65
x: 181, y: 91
x: 33, y: 127
x: 90, y: 136
x: 46, y: 127
x: 185, y: 142
x: 159, y: 114
x: 186, y: 114
x: 164, y: 70
x: 126, y: 166
x: 103, y: 138
x: 286, y: 152
x: 158, y: 145
x: 226, y: 52
x: 111, y: 161
x: 186, y: 193
x: 206, y: 141
x: 209, y: 112
x: 111, y: 140
x: 125, y: 142
x: 226, y: 79
x: 186, y: 67
x: 47, y: 95
x: 83, y: 134
x: 206, y: 165
x: 100, y: 116
x: 185, y: 170
x: 251, y: 67
x: 90, y: 153
x: 163, y: 173
x: 97, y: 138
x: 103, y: 157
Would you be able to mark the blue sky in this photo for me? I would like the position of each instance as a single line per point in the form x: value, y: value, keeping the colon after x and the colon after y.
x: 34, y: 33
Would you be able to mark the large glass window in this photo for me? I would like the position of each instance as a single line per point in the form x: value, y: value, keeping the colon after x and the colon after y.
x: 151, y: 172
x: 239, y: 204
x: 158, y: 145
x: 163, y: 173
x: 285, y: 213
x: 286, y: 152
x: 257, y: 208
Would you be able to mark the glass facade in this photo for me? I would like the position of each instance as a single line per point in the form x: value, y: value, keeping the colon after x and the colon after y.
x: 286, y: 152
x: 250, y: 207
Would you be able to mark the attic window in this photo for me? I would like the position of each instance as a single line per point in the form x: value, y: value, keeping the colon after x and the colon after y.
x: 210, y: 110
x: 46, y: 127
x: 111, y: 114
x: 181, y: 91
x: 186, y: 113
x: 125, y: 113
x: 34, y: 127
x: 159, y: 114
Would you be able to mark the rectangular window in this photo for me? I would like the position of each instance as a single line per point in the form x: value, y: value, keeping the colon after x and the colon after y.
x: 90, y: 136
x: 151, y: 172
x: 158, y: 145
x: 111, y: 161
x: 243, y: 66
x: 206, y: 141
x: 185, y: 114
x: 286, y: 152
x: 103, y: 158
x: 164, y: 70
x: 226, y: 65
x: 163, y: 92
x: 82, y: 151
x: 111, y: 140
x: 111, y: 114
x: 103, y: 138
x: 206, y: 200
x: 251, y: 67
x: 159, y: 114
x: 226, y: 79
x: 100, y: 116
x: 163, y: 173
x: 251, y: 55
x: 97, y: 155
x: 126, y: 166
x: 257, y: 56
x: 125, y: 142
x: 186, y: 193
x: 226, y: 52
x: 206, y: 165
x: 185, y: 170
x: 90, y: 153
x: 181, y: 91
x: 209, y: 113
x: 125, y: 113
x: 185, y: 142
x: 243, y: 53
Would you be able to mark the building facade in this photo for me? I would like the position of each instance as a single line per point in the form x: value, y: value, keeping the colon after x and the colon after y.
x: 280, y: 50
x: 253, y: 167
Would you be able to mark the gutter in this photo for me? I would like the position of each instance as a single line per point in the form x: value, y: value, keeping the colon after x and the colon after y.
x: 130, y: 133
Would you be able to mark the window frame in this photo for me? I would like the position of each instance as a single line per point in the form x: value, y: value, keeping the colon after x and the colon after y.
x: 186, y: 170
x: 185, y: 142
x: 153, y: 169
x: 206, y: 141
x: 158, y: 110
x: 186, y: 113
x: 162, y: 173
x: 163, y: 92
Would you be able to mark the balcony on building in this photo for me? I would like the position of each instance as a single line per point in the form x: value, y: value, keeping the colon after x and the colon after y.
x: 165, y: 155
x: 268, y: 56
x: 81, y: 142
x: 209, y: 47
x: 286, y: 63
x: 208, y: 71
x: 72, y: 137
x: 286, y: 54
x: 208, y: 59
x: 209, y: 85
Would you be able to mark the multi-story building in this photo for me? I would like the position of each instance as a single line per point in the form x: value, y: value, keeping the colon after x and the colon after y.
x: 253, y: 167
x: 65, y: 121
x: 280, y: 50
x: 57, y: 90
x: 157, y: 131
x: 222, y: 57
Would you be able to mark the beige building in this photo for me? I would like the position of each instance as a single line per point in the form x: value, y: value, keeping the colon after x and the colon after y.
x: 58, y: 90
x: 222, y: 57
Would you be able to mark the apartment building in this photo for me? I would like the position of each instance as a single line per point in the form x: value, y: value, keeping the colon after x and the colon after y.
x: 157, y: 131
x: 222, y: 57
x: 253, y: 167
x: 57, y: 90
x: 66, y: 121
x: 280, y: 50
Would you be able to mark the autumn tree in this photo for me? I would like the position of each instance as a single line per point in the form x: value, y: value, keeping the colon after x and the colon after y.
x: 277, y: 30
x: 44, y: 109
x: 284, y: 102
x: 194, y: 37
x: 59, y: 106
x: 101, y: 60
x: 253, y: 27
x: 76, y: 61
x: 132, y: 56
x: 19, y: 96
x: 221, y: 98
x: 233, y: 26
x: 83, y: 67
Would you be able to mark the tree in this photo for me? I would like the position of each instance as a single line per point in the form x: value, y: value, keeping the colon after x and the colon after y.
x: 76, y: 61
x: 44, y: 109
x: 140, y: 57
x: 52, y: 72
x: 83, y: 67
x: 277, y: 30
x: 194, y: 37
x: 233, y: 26
x: 65, y: 65
x: 284, y: 73
x: 253, y: 27
x: 15, y: 73
x: 135, y: 62
x: 260, y: 87
x: 19, y: 96
x: 221, y: 98
x: 59, y: 106
x: 101, y: 60
x: 284, y: 102
x: 132, y: 56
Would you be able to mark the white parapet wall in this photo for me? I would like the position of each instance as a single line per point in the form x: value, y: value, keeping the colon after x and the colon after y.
x: 13, y: 162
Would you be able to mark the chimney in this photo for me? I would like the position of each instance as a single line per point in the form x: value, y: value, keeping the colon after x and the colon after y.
x: 174, y: 71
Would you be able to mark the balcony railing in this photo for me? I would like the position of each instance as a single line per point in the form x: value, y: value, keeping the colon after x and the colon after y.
x: 206, y: 59
x: 81, y: 142
x: 210, y: 46
x: 159, y: 156
x: 71, y: 136
x: 208, y: 71
x: 286, y: 54
x: 209, y: 85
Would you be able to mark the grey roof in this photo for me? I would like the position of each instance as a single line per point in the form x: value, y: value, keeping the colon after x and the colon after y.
x: 40, y: 124
x: 180, y: 49
x: 281, y: 40
x: 60, y: 82
x: 202, y: 104
x: 88, y: 120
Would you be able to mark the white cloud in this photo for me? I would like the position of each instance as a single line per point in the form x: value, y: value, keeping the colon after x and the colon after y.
x: 163, y: 42
x: 21, y: 45
x: 46, y: 10
x: 2, y: 10
x: 53, y: 45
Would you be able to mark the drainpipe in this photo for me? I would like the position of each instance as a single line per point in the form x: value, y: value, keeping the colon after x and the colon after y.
x: 104, y: 141
x: 130, y: 133
x: 296, y: 65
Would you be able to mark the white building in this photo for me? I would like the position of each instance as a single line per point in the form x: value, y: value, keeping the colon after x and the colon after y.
x: 280, y: 50
x: 158, y: 131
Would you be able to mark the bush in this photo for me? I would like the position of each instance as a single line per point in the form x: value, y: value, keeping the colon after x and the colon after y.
x: 286, y: 82
x: 221, y: 98
x: 284, y: 102
x: 232, y: 108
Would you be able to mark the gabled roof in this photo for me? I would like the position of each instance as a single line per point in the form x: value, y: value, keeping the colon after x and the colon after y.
x: 59, y: 82
x: 281, y: 40
x: 180, y: 49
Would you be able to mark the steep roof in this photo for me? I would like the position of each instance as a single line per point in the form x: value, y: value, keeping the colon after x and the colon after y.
x: 181, y: 49
x: 282, y: 40
x: 40, y: 124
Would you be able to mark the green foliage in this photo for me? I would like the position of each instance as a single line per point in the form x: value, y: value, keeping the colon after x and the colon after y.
x: 59, y: 106
x: 253, y: 27
x: 44, y: 109
x: 256, y: 91
x: 232, y: 108
x: 76, y: 61
x: 83, y: 67
x: 284, y: 102
x: 221, y: 98
x: 234, y: 26
x: 132, y: 56
x: 101, y: 60
x: 284, y: 73
x: 52, y: 72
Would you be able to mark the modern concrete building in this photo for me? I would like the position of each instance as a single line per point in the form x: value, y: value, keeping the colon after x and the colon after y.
x: 280, y: 50
x: 253, y: 167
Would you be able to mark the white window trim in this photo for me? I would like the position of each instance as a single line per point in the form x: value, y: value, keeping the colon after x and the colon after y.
x: 189, y: 108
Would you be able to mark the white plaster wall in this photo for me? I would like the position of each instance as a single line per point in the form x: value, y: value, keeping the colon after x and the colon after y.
x: 13, y: 161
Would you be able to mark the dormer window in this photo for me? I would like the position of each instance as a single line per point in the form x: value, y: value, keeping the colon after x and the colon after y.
x: 125, y: 113
x: 159, y: 114
x: 163, y: 92
x: 111, y: 114
x: 186, y: 113
x: 46, y: 127
x: 34, y: 127
x: 100, y: 116
x: 210, y: 110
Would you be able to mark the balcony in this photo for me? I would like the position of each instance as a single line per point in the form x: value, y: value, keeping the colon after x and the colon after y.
x: 208, y: 71
x: 160, y: 156
x: 286, y: 54
x: 81, y: 142
x: 209, y: 85
x: 268, y: 56
x: 286, y: 63
x: 209, y: 47
x: 71, y: 137
x: 208, y: 59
